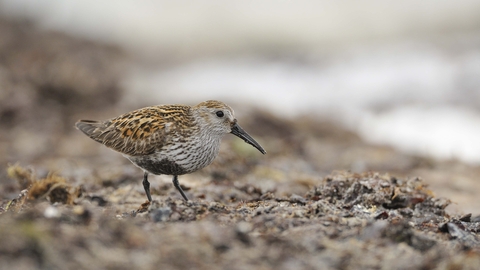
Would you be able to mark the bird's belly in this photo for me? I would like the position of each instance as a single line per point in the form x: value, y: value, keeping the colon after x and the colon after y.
x: 158, y: 166
x: 175, y: 163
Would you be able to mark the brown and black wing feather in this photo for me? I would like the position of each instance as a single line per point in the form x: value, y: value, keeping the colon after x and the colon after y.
x: 140, y: 132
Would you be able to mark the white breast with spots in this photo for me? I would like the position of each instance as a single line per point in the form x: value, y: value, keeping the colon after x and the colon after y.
x: 192, y: 155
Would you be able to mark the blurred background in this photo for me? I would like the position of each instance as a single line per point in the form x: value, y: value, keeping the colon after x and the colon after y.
x: 371, y: 85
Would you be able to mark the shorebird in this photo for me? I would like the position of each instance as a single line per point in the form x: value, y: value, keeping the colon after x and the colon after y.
x: 168, y: 139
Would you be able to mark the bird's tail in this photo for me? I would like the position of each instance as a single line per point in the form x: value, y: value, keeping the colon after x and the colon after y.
x: 91, y: 128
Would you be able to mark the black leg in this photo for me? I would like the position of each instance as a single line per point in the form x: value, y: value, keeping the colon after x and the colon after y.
x: 146, y: 186
x: 177, y: 185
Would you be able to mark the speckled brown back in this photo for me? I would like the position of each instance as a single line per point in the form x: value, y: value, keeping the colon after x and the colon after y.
x: 140, y: 132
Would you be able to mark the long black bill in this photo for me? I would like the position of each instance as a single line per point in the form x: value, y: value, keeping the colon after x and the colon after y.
x: 239, y: 132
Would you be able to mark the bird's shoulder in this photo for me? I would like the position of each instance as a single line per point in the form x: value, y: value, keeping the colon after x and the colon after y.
x: 144, y: 122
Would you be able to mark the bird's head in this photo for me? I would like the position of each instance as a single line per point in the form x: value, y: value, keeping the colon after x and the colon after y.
x: 219, y: 119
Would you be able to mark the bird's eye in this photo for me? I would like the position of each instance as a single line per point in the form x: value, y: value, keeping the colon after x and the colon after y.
x: 220, y: 114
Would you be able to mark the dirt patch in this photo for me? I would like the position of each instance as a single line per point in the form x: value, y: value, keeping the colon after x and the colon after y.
x: 347, y: 221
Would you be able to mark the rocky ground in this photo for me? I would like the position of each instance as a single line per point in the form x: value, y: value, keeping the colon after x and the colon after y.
x: 320, y: 199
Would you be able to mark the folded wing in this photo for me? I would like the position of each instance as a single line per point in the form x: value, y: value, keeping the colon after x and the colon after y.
x: 140, y: 132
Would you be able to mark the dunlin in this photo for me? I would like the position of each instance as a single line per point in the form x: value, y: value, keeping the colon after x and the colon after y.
x: 168, y: 139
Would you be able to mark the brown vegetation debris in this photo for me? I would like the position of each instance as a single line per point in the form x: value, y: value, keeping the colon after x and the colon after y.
x: 23, y: 176
x: 53, y: 187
